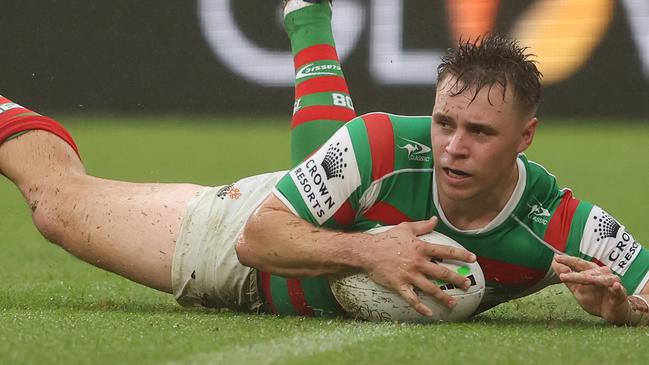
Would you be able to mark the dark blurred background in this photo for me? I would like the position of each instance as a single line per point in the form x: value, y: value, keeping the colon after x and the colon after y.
x: 232, y: 57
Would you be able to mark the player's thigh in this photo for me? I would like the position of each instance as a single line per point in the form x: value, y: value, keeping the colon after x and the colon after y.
x: 127, y: 228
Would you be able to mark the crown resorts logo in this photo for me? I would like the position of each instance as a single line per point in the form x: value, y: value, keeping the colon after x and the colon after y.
x: 327, y: 178
x: 607, y: 226
x: 333, y: 162
x: 613, y: 245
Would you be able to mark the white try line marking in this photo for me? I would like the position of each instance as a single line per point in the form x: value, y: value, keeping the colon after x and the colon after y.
x: 281, y: 349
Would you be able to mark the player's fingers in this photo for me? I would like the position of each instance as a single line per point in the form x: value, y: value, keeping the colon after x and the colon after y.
x: 575, y: 263
x: 560, y: 268
x: 419, y: 228
x: 431, y: 289
x: 618, y: 293
x: 436, y: 251
x: 443, y: 273
x: 586, y: 279
x: 407, y: 293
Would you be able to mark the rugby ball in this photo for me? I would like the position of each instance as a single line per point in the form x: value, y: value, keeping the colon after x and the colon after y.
x: 362, y: 298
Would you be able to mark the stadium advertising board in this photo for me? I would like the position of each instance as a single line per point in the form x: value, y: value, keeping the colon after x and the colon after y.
x: 219, y: 55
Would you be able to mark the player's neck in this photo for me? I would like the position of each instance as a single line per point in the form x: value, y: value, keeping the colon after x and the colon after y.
x: 478, y: 211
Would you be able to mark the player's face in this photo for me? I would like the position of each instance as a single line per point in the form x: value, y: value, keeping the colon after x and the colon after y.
x: 476, y: 141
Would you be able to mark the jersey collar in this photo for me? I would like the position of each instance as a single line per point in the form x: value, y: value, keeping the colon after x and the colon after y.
x: 507, y: 210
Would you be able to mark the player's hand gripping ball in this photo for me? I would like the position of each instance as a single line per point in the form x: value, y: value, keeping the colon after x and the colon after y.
x: 362, y: 298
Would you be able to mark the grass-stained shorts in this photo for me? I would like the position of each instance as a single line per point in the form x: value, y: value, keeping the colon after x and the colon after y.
x: 205, y: 270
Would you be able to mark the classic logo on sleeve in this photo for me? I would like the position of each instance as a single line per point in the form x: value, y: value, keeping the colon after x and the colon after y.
x: 609, y: 242
x: 326, y: 179
x: 538, y: 213
x: 416, y: 151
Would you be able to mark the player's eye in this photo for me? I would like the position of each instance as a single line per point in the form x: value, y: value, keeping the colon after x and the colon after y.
x: 443, y: 123
x: 482, y: 131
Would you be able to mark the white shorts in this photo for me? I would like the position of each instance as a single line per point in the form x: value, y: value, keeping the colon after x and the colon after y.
x: 205, y: 270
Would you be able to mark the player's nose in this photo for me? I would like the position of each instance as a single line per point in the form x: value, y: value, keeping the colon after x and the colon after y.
x: 456, y: 144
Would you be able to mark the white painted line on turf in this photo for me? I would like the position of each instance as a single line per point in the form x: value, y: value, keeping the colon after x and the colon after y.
x: 282, y: 349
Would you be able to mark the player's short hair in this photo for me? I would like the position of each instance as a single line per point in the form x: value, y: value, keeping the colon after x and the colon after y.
x: 493, y: 60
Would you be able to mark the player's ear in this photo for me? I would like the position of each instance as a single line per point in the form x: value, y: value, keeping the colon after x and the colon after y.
x: 527, y: 134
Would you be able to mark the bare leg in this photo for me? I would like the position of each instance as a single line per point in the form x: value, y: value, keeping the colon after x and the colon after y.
x: 127, y: 228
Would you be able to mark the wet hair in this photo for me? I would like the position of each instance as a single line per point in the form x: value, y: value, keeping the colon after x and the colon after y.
x: 493, y: 60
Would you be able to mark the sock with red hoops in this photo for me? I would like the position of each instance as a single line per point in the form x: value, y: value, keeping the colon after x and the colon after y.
x: 322, y: 100
x: 322, y: 105
x: 16, y: 120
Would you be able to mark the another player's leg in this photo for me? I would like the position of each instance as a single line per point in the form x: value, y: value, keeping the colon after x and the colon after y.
x: 126, y: 228
x: 322, y: 106
x: 322, y: 100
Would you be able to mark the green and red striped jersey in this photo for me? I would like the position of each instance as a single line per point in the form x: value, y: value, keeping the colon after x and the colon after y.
x: 378, y: 170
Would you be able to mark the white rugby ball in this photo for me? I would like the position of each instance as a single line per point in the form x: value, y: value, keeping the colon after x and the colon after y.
x: 362, y: 298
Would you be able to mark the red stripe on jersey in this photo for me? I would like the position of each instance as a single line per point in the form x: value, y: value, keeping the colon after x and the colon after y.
x: 381, y: 139
x: 559, y: 227
x: 319, y: 52
x: 321, y: 84
x: 322, y: 112
x: 386, y: 213
x: 345, y: 215
x: 25, y: 123
x: 509, y: 274
x: 265, y: 288
x: 296, y: 295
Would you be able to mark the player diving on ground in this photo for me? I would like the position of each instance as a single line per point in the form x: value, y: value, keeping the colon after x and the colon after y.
x: 462, y: 172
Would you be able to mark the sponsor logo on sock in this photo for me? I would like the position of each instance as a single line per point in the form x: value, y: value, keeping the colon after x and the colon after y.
x: 416, y: 150
x: 318, y: 70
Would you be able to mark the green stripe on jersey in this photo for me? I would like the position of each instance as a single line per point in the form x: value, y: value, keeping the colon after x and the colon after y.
x: 510, y: 244
x: 281, y: 299
x: 636, y: 272
x: 309, y: 26
x: 291, y: 193
x: 319, y: 296
x: 412, y: 148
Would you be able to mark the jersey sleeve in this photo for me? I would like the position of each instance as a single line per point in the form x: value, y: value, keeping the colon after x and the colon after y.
x: 579, y: 228
x: 324, y: 189
x: 597, y: 236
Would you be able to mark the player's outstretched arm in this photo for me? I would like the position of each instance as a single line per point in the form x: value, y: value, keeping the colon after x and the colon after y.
x: 277, y: 241
x: 599, y: 291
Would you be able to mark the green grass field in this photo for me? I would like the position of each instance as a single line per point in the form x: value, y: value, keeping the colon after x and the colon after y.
x: 56, y: 309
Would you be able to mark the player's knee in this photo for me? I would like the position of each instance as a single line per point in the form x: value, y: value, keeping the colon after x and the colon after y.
x: 49, y: 215
x: 45, y: 222
x: 242, y: 251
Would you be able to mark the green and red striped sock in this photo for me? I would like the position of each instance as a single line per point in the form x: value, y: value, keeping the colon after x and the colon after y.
x: 322, y: 105
x: 322, y: 100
